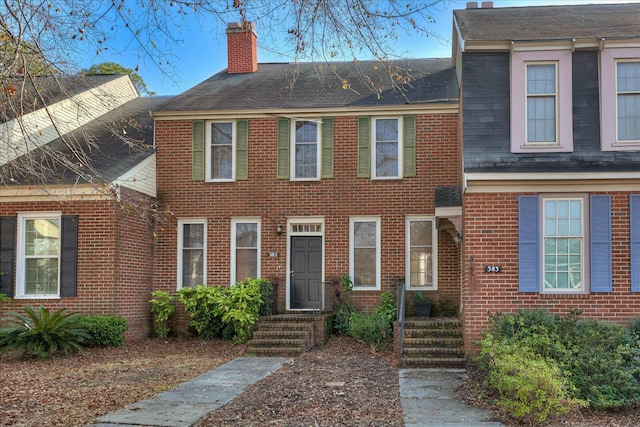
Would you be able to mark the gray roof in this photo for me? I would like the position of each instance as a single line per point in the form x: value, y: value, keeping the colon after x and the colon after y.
x: 48, y: 91
x: 549, y: 22
x: 318, y: 85
x: 112, y: 155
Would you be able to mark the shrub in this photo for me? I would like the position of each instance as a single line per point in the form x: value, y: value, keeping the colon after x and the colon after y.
x: 161, y: 308
x: 104, y: 331
x: 529, y: 386
x: 266, y: 290
x: 240, y: 307
x: 604, y: 365
x: 373, y: 329
x: 387, y: 307
x: 40, y: 333
x: 201, y: 303
x: 345, y: 307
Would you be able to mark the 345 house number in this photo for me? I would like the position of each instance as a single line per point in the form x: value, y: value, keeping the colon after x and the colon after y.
x: 492, y: 268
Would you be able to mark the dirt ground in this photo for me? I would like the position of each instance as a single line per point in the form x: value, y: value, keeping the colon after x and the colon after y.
x: 340, y: 384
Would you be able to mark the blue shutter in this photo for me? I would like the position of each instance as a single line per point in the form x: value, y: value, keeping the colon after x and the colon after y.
x: 600, y: 241
x: 528, y: 244
x: 634, y: 206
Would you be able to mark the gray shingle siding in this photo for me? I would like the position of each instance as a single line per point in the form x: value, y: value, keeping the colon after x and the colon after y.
x: 486, y: 121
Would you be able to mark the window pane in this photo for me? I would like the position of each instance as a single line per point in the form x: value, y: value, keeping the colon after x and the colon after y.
x: 306, y: 132
x: 41, y: 276
x: 246, y: 264
x: 42, y: 237
x: 192, y: 267
x: 629, y: 117
x: 421, y: 267
x: 306, y: 161
x: 364, y: 234
x: 364, y: 267
x: 247, y: 235
x: 193, y: 236
x: 221, y: 160
x: 628, y: 76
x: 541, y: 79
x: 387, y: 147
x: 420, y: 233
x: 563, y: 244
x: 221, y: 133
x: 541, y: 119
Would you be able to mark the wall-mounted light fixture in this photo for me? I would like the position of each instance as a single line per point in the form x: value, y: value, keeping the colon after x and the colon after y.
x: 279, y: 229
x: 457, y: 238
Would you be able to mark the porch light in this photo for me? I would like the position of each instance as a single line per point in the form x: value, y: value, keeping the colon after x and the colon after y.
x: 457, y: 239
x: 279, y: 229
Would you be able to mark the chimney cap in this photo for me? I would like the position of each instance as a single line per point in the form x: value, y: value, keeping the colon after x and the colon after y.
x: 472, y: 5
x: 234, y: 27
x: 487, y: 4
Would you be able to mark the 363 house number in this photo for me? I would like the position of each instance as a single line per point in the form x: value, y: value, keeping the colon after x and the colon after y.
x: 492, y: 269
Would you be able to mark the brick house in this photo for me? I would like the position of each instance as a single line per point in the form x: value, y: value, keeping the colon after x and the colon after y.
x: 77, y: 242
x: 551, y: 148
x: 284, y: 172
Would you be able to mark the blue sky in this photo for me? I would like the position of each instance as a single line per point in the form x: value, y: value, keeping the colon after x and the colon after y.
x: 202, y: 50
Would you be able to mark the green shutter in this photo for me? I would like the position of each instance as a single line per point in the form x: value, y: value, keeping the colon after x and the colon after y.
x: 242, y: 150
x: 364, y: 144
x: 197, y: 151
x: 283, y: 149
x: 409, y: 146
x: 327, y: 147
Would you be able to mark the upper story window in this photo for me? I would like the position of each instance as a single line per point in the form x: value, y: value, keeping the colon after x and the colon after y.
x: 220, y: 151
x: 620, y: 99
x: 38, y: 263
x: 192, y: 252
x: 541, y: 102
x: 387, y: 155
x: 305, y: 153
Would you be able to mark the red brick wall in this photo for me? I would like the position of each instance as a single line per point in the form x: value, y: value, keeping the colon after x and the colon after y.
x: 491, y: 238
x: 114, y: 257
x: 336, y: 200
x: 242, y: 51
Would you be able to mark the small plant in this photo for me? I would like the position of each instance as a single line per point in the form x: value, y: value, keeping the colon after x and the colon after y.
x: 161, y: 307
x: 345, y: 308
x: 240, y: 307
x: 4, y: 297
x: 387, y: 307
x: 373, y: 329
x: 40, y: 333
x: 201, y: 303
x: 105, y: 331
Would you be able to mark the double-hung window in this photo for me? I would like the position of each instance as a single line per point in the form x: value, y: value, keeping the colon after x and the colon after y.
x: 39, y: 249
x: 364, y: 260
x: 245, y: 249
x: 192, y: 252
x: 387, y: 152
x: 421, y: 253
x: 628, y: 100
x: 563, y: 244
x: 305, y: 153
x: 542, y: 102
x: 220, y: 137
x: 620, y: 96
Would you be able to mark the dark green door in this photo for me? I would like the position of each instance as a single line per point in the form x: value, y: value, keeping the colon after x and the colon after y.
x: 306, y: 272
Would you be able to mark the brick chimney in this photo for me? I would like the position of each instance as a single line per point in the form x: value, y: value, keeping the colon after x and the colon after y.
x: 242, y: 50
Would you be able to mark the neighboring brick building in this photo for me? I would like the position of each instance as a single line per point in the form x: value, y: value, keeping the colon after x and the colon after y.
x: 271, y: 170
x: 551, y: 148
x: 74, y: 243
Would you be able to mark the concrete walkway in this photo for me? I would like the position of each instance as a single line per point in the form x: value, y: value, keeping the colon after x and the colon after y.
x: 426, y: 395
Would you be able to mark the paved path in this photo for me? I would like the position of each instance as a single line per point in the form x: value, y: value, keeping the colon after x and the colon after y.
x: 426, y: 395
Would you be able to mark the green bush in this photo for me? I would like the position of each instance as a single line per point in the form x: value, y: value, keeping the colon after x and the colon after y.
x: 201, y: 303
x: 529, y: 387
x: 387, y: 307
x: 104, y: 331
x: 373, y: 329
x: 40, y: 333
x: 266, y: 290
x: 161, y: 308
x: 605, y: 364
x: 240, y: 307
x: 345, y: 306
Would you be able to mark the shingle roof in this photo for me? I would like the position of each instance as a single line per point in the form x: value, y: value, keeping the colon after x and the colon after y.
x: 112, y: 156
x: 549, y: 22
x: 317, y: 85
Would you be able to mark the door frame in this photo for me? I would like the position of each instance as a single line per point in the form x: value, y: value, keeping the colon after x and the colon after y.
x: 291, y: 223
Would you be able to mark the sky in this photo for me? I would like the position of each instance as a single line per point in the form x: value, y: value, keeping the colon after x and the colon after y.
x: 202, y: 50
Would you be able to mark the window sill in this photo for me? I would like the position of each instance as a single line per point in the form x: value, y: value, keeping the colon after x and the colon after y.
x: 363, y: 288
x: 37, y: 297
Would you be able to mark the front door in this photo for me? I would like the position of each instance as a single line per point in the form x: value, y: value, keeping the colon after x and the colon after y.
x: 306, y: 272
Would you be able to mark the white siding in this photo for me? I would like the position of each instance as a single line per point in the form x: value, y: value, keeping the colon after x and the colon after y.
x: 141, y: 178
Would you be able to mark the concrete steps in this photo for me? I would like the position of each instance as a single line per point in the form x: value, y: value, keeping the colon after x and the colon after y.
x: 433, y: 343
x: 281, y: 336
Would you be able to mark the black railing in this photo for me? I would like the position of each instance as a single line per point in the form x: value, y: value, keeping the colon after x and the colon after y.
x: 400, y: 295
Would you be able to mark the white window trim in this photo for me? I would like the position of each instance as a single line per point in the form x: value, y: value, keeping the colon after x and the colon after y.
x: 207, y: 151
x: 181, y: 223
x: 352, y: 222
x: 234, y: 221
x: 609, y: 59
x: 374, y: 147
x: 564, y: 101
x: 434, y: 251
x: 292, y: 150
x: 21, y: 256
x: 585, y: 244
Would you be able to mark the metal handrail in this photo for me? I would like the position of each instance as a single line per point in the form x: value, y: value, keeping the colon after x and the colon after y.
x: 400, y: 293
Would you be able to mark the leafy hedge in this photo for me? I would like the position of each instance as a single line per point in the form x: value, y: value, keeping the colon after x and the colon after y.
x: 104, y: 331
x: 589, y: 362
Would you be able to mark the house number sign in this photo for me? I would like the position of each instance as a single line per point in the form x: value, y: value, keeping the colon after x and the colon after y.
x: 492, y: 269
x: 273, y: 255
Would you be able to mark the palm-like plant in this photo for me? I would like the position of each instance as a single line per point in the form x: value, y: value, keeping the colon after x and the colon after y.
x: 41, y: 333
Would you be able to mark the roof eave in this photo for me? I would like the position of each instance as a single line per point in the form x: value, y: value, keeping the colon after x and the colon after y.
x: 549, y: 44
